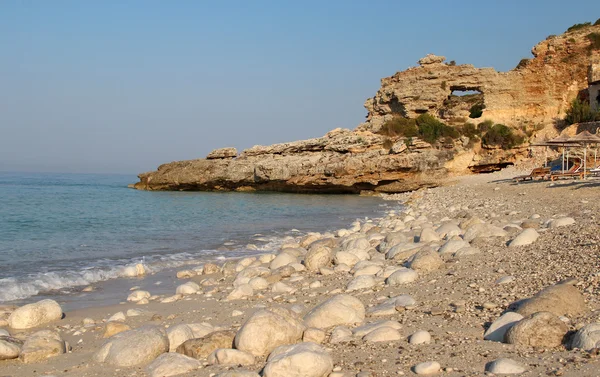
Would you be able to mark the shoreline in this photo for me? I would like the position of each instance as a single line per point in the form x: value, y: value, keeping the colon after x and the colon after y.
x: 454, y: 302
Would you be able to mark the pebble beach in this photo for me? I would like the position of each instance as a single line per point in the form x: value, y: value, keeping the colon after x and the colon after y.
x: 481, y: 276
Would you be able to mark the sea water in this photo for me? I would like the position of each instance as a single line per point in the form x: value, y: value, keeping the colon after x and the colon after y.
x: 63, y: 231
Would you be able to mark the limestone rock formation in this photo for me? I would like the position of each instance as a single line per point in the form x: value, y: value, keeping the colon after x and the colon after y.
x: 532, y: 97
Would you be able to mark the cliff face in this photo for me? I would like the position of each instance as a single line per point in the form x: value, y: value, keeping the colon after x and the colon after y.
x: 343, y: 161
x: 538, y: 92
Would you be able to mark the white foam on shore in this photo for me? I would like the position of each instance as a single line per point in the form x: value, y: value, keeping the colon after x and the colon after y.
x: 18, y: 288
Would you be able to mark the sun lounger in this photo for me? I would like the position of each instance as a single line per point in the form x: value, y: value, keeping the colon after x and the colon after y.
x: 574, y: 172
x: 535, y: 173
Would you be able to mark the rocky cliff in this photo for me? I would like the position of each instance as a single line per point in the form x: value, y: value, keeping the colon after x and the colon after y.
x: 534, y: 95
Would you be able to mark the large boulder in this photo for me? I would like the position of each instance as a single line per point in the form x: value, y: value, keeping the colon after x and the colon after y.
x: 200, y: 348
x: 318, y: 257
x: 338, y: 310
x: 560, y: 299
x: 172, y: 364
x: 542, y: 329
x: 587, y: 338
x: 10, y: 347
x: 36, y: 314
x: 267, y: 329
x: 300, y: 360
x: 134, y: 347
x: 361, y: 282
x: 42, y: 345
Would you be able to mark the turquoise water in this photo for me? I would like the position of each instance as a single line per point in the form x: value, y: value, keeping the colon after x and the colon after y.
x: 61, y: 231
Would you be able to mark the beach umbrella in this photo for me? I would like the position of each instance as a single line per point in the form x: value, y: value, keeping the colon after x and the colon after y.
x: 586, y: 139
x: 564, y: 142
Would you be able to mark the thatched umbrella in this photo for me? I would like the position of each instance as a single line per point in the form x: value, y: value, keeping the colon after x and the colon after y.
x: 586, y: 139
x: 562, y: 141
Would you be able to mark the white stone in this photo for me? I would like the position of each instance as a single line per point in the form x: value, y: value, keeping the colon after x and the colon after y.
x: 526, y: 237
x: 562, y: 221
x: 134, y: 347
x: 172, y: 364
x: 428, y: 235
x: 452, y: 246
x: 427, y: 368
x: 403, y: 276
x: 281, y: 287
x: 338, y: 310
x: 383, y: 334
x: 138, y: 295
x: 9, y: 347
x: 177, y: 335
x: 346, y: 258
x: 317, y: 257
x: 361, y: 282
x: 363, y: 330
x: 240, y: 292
x: 258, y: 283
x: 283, y: 259
x: 448, y: 229
x: 587, y: 337
x: 267, y: 329
x: 483, y: 230
x: 225, y: 356
x: 118, y: 317
x: 188, y: 288
x: 500, y: 326
x: 314, y: 335
x: 420, y: 337
x: 304, y: 359
x: 340, y: 334
x: 41, y: 346
x: 36, y: 314
x: 134, y: 271
x: 504, y: 366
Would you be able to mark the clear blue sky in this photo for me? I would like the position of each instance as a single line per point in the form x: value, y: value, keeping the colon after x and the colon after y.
x: 123, y: 86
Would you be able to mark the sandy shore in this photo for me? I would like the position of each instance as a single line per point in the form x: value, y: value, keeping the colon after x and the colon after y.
x: 455, y: 303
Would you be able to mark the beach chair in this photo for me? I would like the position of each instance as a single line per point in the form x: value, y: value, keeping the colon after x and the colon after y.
x: 575, y: 172
x: 535, y: 173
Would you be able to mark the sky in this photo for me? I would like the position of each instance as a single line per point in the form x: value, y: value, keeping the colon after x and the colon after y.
x: 124, y: 86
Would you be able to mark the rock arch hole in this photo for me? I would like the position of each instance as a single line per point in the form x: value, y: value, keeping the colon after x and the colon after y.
x: 463, y: 102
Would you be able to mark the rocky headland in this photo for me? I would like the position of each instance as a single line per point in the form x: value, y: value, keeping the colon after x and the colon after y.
x: 530, y: 100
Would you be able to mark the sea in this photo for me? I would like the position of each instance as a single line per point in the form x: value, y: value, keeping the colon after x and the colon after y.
x: 62, y: 232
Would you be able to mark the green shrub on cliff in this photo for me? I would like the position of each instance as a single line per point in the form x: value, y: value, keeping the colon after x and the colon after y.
x: 579, y: 26
x: 597, y: 23
x: 476, y: 111
x: 469, y: 130
x: 502, y: 136
x: 399, y: 126
x: 431, y: 129
x: 580, y: 112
